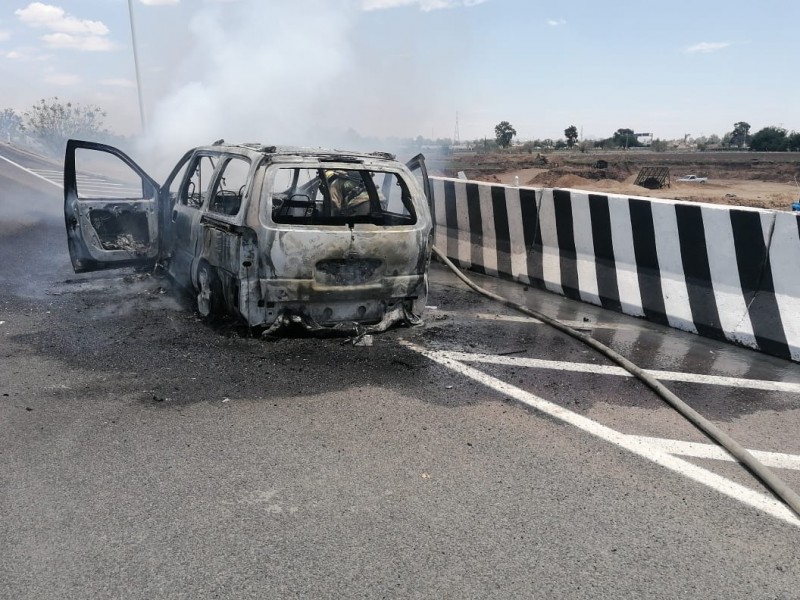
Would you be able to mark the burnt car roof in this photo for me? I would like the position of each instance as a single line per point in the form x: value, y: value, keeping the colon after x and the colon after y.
x: 323, y: 154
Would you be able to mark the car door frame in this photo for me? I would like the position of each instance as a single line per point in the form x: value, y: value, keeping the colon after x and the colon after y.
x: 86, y: 249
x: 184, y: 253
x: 221, y: 254
x: 418, y: 163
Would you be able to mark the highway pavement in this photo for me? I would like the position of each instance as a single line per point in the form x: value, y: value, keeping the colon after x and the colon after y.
x: 147, y: 454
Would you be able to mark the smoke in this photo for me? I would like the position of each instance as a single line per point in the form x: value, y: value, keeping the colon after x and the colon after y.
x: 256, y: 72
x: 306, y: 73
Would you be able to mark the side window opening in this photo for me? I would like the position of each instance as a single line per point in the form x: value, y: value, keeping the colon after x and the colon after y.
x: 102, y: 176
x: 176, y: 179
x: 333, y: 196
x: 230, y: 188
x: 195, y: 187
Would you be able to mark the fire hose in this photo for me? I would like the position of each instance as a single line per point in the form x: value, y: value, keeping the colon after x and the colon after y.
x: 774, y: 483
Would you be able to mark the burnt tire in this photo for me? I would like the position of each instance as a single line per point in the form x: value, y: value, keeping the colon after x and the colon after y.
x: 210, y: 302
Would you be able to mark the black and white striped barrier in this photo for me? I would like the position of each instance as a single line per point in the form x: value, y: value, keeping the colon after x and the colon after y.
x: 723, y: 272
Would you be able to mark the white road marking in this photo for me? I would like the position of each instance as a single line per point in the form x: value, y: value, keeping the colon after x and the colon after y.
x: 777, y: 460
x: 101, y: 182
x: 536, y: 363
x: 50, y: 181
x: 636, y: 445
x: 88, y: 184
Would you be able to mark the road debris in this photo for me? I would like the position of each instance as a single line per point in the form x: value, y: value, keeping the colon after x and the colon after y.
x: 364, y: 340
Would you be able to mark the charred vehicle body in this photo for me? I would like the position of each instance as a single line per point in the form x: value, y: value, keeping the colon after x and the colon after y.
x: 274, y: 235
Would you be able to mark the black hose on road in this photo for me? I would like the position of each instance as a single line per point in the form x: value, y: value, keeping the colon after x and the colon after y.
x: 775, y: 484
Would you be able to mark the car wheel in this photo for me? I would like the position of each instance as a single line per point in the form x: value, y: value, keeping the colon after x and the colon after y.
x: 209, y: 294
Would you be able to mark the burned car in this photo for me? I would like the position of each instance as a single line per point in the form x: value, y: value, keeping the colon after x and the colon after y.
x: 270, y: 234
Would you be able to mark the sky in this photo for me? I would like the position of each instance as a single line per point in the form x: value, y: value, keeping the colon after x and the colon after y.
x: 308, y: 71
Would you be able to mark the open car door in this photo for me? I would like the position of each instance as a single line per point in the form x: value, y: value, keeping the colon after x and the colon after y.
x: 417, y: 167
x: 111, y: 209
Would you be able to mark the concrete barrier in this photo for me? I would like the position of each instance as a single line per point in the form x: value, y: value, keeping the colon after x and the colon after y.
x: 727, y: 273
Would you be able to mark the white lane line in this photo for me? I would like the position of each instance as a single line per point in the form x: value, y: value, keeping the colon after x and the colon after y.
x: 86, y: 180
x: 58, y: 185
x: 777, y: 460
x: 84, y: 192
x: 636, y: 445
x: 96, y: 181
x: 99, y: 188
x: 573, y: 324
x: 536, y: 363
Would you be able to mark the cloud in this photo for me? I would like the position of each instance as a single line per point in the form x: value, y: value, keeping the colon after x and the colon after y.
x: 706, y: 47
x: 90, y: 43
x: 159, y: 2
x: 424, y: 5
x: 69, y: 32
x: 63, y: 79
x: 118, y: 82
x: 26, y: 54
x: 37, y: 14
x: 556, y: 22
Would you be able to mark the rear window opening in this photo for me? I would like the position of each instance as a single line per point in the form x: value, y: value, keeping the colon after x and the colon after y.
x: 335, y: 196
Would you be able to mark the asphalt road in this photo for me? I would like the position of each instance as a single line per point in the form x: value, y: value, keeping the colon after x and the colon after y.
x: 147, y: 454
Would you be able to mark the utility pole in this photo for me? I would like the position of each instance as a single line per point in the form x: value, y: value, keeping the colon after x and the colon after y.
x: 136, y: 67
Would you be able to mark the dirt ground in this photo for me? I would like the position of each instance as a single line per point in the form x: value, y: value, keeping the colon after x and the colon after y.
x: 761, y: 180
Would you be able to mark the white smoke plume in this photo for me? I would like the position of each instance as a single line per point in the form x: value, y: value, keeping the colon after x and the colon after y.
x: 279, y: 72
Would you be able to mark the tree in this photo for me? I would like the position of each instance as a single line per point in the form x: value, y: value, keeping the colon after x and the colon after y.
x: 53, y: 122
x: 727, y: 139
x: 770, y: 139
x: 739, y: 135
x: 624, y: 138
x: 10, y: 124
x: 503, y: 132
x: 571, y: 133
x: 794, y: 141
